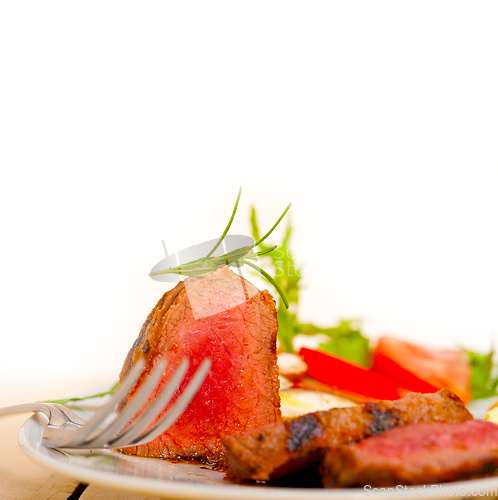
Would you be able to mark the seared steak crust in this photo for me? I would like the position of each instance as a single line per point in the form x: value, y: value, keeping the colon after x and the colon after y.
x: 151, y: 328
x: 225, y: 318
x: 276, y: 450
x: 415, y: 454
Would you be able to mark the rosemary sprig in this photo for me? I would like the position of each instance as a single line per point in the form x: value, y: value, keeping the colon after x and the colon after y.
x: 228, y: 225
x: 236, y: 258
x: 270, y: 279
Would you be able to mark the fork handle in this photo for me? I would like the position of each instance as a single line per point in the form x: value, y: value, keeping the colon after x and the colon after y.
x: 8, y: 410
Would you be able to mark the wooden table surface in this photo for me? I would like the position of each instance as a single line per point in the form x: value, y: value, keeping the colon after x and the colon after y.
x: 23, y: 479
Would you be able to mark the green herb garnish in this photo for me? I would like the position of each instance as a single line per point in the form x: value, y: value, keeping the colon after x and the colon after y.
x: 345, y: 341
x: 287, y: 277
x: 237, y: 258
x: 111, y: 391
x: 484, y: 379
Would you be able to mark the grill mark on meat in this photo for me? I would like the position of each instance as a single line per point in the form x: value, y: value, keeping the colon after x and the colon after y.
x: 301, y: 432
x: 146, y: 347
x: 382, y: 419
x: 488, y: 469
x: 273, y: 451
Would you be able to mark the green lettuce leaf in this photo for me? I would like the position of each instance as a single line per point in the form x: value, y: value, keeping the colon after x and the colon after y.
x: 484, y: 380
x: 345, y: 341
x: 287, y: 276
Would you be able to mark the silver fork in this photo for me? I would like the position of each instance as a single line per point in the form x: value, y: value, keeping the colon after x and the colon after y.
x: 65, y: 429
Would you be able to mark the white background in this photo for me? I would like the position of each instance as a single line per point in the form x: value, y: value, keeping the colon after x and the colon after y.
x: 124, y: 123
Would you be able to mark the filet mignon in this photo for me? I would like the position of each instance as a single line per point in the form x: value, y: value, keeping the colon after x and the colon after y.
x: 225, y: 318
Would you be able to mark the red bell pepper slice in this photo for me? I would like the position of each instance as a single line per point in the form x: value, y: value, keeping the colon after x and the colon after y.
x: 346, y: 376
x: 384, y: 365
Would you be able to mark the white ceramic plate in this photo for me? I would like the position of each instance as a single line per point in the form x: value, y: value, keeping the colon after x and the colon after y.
x: 148, y: 476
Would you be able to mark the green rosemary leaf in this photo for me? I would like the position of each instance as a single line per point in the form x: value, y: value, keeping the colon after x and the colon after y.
x: 254, y: 255
x: 287, y: 276
x: 270, y: 279
x: 260, y: 240
x: 235, y: 258
x: 228, y: 225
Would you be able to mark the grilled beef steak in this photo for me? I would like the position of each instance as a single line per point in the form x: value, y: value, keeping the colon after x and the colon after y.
x: 415, y: 454
x: 278, y: 449
x: 225, y: 318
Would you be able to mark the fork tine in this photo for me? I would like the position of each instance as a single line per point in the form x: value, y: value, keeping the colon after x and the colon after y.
x: 135, y: 405
x: 78, y: 436
x: 138, y: 432
x: 171, y: 415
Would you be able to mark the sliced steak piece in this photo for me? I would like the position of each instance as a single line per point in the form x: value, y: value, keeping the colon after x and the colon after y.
x: 415, y: 454
x: 225, y: 318
x: 276, y: 450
